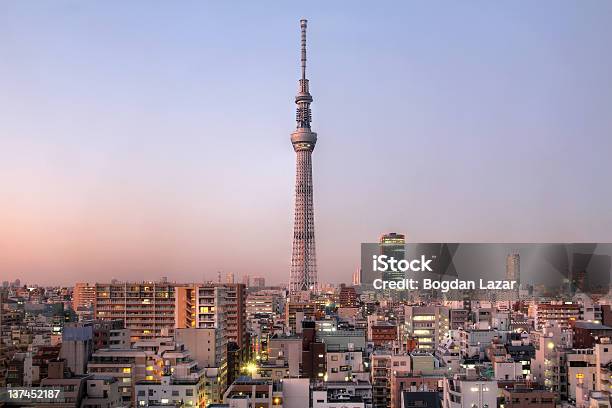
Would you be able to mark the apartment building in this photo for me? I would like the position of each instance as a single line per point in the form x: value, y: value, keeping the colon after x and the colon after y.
x: 429, y: 325
x: 341, y: 363
x: 249, y: 392
x: 208, y: 347
x: 83, y: 295
x: 581, y: 371
x: 548, y: 367
x: 263, y: 302
x: 296, y: 312
x: 146, y: 308
x: 214, y: 305
x: 603, y: 357
x: 474, y: 342
x: 125, y: 366
x: 384, y: 364
x: 148, y: 362
x: 555, y: 314
x: 469, y: 390
x: 176, y: 389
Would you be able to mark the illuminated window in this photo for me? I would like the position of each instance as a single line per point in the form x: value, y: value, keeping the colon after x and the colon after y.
x: 423, y: 318
x: 127, y: 370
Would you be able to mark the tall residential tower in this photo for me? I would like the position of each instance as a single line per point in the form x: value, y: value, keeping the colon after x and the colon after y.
x: 303, y: 257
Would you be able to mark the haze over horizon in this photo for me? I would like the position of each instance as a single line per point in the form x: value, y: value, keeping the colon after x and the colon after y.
x: 144, y: 140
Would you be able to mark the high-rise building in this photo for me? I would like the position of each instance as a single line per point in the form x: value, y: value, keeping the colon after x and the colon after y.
x: 357, y: 277
x: 230, y: 278
x: 513, y: 266
x: 303, y: 275
x: 147, y: 308
x: 259, y: 282
x: 222, y: 307
x: 393, y: 245
x: 83, y: 295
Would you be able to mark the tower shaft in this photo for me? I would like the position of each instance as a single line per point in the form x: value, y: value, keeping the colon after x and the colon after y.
x: 303, y: 257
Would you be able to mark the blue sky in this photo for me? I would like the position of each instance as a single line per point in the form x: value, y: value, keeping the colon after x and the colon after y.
x: 151, y: 139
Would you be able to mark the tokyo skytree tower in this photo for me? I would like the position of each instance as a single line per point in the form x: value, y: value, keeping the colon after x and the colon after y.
x: 303, y: 258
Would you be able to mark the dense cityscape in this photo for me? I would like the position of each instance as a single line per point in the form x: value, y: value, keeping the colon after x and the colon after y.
x: 230, y: 344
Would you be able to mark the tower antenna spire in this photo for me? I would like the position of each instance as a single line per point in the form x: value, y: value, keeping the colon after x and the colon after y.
x: 303, y: 25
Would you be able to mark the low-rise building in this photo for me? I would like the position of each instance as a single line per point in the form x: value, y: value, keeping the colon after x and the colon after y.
x: 523, y: 397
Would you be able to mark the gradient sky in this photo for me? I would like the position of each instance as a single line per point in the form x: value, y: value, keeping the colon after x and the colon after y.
x: 149, y: 139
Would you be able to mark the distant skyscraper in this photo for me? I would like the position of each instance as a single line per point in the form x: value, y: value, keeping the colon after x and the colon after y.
x: 259, y: 282
x: 357, y: 277
x: 230, y: 277
x: 513, y: 266
x: 393, y: 245
x: 513, y: 272
x: 303, y: 275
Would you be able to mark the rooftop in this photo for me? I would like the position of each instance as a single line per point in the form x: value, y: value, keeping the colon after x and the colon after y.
x: 591, y: 326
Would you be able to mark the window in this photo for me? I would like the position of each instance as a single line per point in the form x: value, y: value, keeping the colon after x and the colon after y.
x: 189, y: 392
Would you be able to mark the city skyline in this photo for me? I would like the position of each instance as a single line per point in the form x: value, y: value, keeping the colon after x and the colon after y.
x: 153, y: 142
